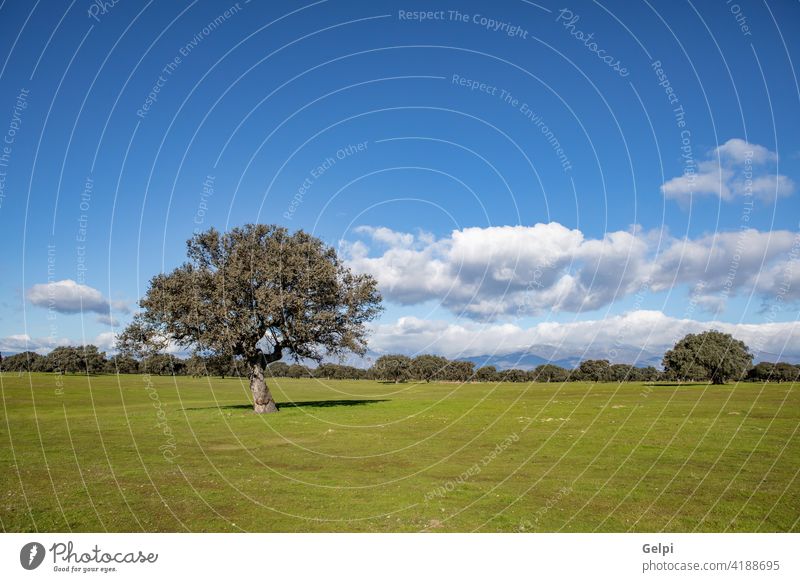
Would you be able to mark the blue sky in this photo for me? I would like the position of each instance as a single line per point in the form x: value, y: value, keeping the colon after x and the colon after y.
x: 427, y: 150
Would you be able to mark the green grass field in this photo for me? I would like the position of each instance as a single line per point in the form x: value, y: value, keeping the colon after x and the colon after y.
x: 183, y: 454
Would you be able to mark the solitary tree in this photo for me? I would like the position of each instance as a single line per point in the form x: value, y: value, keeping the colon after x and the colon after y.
x: 713, y: 355
x: 257, y: 292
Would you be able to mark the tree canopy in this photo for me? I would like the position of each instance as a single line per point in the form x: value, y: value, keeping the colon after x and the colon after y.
x: 711, y: 355
x: 393, y: 367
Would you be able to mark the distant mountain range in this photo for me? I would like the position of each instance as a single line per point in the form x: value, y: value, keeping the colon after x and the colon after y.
x: 538, y: 355
x: 520, y: 360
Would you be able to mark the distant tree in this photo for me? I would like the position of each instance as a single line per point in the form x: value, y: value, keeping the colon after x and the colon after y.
x: 277, y: 370
x: 196, y: 366
x: 550, y: 373
x: 514, y: 375
x: 298, y: 371
x: 93, y: 361
x: 258, y: 293
x: 239, y: 367
x: 648, y: 374
x: 326, y: 371
x: 337, y: 372
x: 340, y: 372
x: 575, y: 375
x: 686, y: 372
x: 163, y: 365
x: 785, y: 372
x: 65, y: 360
x: 595, y: 370
x: 714, y: 355
x: 219, y: 364
x: 761, y: 372
x: 85, y: 359
x: 24, y: 362
x: 122, y: 364
x: 486, y: 374
x: 393, y: 367
x: 768, y: 372
x: 428, y: 368
x: 459, y: 371
x: 622, y: 373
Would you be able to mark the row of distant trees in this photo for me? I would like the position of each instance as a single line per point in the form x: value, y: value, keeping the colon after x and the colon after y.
x: 399, y: 368
x: 392, y: 368
x: 90, y: 360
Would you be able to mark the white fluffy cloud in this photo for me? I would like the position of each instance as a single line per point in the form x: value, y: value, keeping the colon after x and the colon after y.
x: 387, y: 236
x: 729, y: 261
x: 23, y: 343
x: 484, y: 273
x: 734, y: 169
x: 68, y: 296
x: 636, y: 337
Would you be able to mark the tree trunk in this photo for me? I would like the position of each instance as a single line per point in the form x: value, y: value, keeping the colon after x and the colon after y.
x: 262, y: 397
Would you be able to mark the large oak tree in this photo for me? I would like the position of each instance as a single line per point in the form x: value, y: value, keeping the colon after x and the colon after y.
x: 257, y: 292
x: 711, y: 355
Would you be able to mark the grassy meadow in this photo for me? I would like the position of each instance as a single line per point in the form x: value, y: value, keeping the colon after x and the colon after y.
x: 139, y: 453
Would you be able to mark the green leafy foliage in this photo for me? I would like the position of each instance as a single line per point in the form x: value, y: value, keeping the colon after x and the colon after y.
x: 711, y: 355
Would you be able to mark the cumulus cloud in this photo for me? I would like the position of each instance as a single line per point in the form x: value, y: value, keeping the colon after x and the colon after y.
x: 23, y: 343
x: 637, y: 337
x: 734, y: 169
x: 68, y: 296
x: 485, y: 273
x: 387, y: 236
x: 106, y: 341
x: 738, y: 150
x: 727, y: 262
